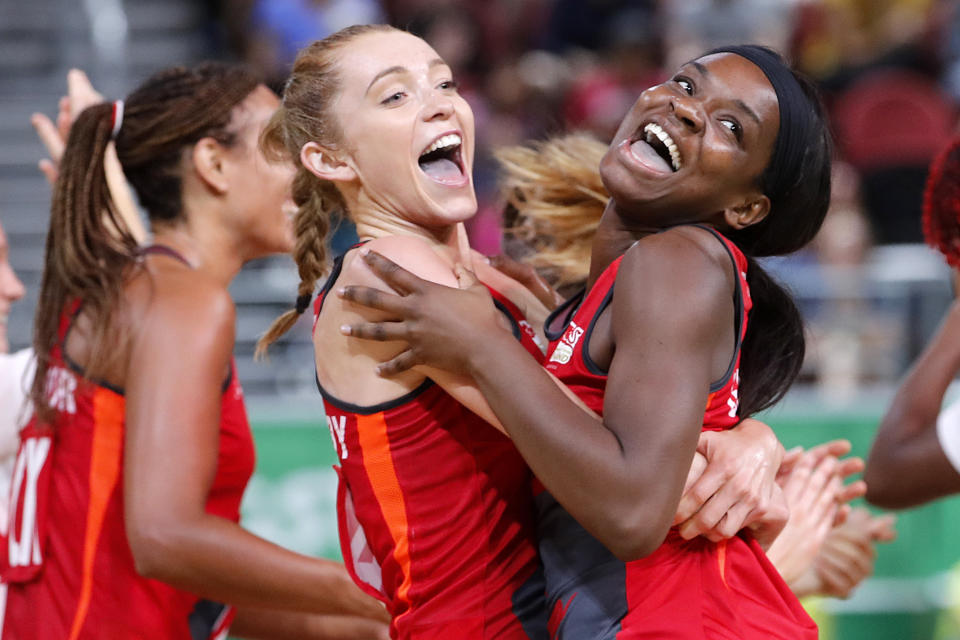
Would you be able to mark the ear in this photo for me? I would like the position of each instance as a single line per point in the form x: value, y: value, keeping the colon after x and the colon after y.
x: 208, y: 162
x: 324, y: 164
x: 754, y: 209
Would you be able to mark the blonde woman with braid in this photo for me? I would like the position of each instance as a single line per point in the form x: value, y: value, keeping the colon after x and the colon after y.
x: 434, y: 501
x: 128, y: 482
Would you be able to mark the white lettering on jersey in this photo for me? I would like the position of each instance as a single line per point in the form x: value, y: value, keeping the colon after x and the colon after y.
x: 338, y: 432
x: 564, y: 349
x: 734, y: 400
x: 23, y: 544
x: 60, y: 389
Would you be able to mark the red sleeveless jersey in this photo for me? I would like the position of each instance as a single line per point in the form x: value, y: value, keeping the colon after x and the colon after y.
x: 684, y: 589
x: 68, y: 562
x: 436, y: 514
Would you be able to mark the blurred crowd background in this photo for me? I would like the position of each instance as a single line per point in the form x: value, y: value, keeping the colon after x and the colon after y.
x: 871, y: 292
x: 889, y: 70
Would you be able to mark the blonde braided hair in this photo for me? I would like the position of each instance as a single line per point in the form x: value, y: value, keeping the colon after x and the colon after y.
x: 305, y: 116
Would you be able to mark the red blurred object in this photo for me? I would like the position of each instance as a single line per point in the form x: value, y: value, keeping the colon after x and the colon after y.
x: 892, y: 117
x: 941, y: 204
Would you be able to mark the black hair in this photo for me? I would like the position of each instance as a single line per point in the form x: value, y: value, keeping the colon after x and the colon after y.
x: 774, y: 347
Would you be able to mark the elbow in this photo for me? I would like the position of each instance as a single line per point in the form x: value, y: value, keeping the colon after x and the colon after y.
x: 153, y: 546
x: 636, y: 537
x: 886, y: 488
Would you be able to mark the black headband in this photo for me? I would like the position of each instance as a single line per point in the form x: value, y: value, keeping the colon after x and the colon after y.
x: 796, y: 117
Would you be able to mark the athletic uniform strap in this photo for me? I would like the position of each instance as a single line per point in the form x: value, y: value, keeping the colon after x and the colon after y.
x: 163, y: 250
x: 739, y: 307
x: 556, y: 323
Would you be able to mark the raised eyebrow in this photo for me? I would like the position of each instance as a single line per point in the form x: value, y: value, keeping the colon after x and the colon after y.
x: 747, y: 110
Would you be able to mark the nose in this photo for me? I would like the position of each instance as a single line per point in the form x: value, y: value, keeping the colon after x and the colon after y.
x: 437, y: 106
x: 688, y: 113
x: 11, y: 288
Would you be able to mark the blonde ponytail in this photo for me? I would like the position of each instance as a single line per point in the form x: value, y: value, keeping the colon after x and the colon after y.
x: 554, y: 199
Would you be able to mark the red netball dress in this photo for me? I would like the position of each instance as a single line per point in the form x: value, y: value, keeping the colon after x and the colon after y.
x: 70, y: 570
x: 435, y: 510
x: 689, y: 589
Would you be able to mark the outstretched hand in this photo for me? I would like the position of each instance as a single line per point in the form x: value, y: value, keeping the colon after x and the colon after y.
x: 80, y: 95
x: 441, y: 325
x: 814, y: 489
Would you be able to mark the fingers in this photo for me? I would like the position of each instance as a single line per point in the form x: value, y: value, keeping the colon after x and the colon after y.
x: 399, y: 279
x: 49, y: 171
x: 81, y: 92
x: 403, y: 362
x: 850, y: 466
x: 835, y: 448
x: 529, y: 278
x: 882, y: 528
x: 374, y: 299
x: 790, y: 458
x: 698, y: 494
x: 378, y: 331
x: 465, y: 277
x: 852, y: 491
x: 49, y: 136
x: 463, y: 245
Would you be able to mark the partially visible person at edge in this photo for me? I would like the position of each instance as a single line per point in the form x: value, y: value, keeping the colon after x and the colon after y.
x: 435, y: 506
x: 727, y: 161
x: 15, y: 370
x: 129, y: 476
x: 555, y: 200
x: 915, y: 456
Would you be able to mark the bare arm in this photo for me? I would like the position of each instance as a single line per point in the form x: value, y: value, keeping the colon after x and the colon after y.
x: 267, y: 624
x: 170, y: 461
x: 639, y: 455
x: 907, y: 465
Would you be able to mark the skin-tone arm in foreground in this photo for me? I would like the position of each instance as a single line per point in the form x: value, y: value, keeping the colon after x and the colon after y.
x: 171, y: 535
x: 907, y: 465
x: 639, y: 455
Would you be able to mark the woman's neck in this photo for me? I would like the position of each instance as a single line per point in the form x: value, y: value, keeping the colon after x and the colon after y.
x: 615, y: 234
x: 371, y: 227
x: 205, y: 247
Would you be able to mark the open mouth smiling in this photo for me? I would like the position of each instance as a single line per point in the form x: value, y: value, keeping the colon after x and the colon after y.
x: 652, y: 143
x: 442, y: 161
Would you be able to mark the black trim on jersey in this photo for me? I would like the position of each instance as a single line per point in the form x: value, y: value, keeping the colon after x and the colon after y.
x: 738, y: 319
x: 738, y: 310
x: 592, y: 366
x: 376, y: 408
x: 156, y: 249
x: 514, y: 325
x: 75, y: 366
x: 326, y: 395
x: 164, y: 250
x: 568, y: 306
x: 204, y: 618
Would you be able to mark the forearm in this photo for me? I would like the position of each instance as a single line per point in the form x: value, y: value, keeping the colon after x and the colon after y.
x: 576, y: 456
x: 268, y: 624
x: 216, y: 558
x: 906, y: 464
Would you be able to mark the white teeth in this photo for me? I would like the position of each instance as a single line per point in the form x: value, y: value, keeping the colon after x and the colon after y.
x: 664, y: 137
x: 449, y: 140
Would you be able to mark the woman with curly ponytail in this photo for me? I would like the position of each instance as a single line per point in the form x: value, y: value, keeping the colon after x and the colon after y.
x: 127, y: 486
